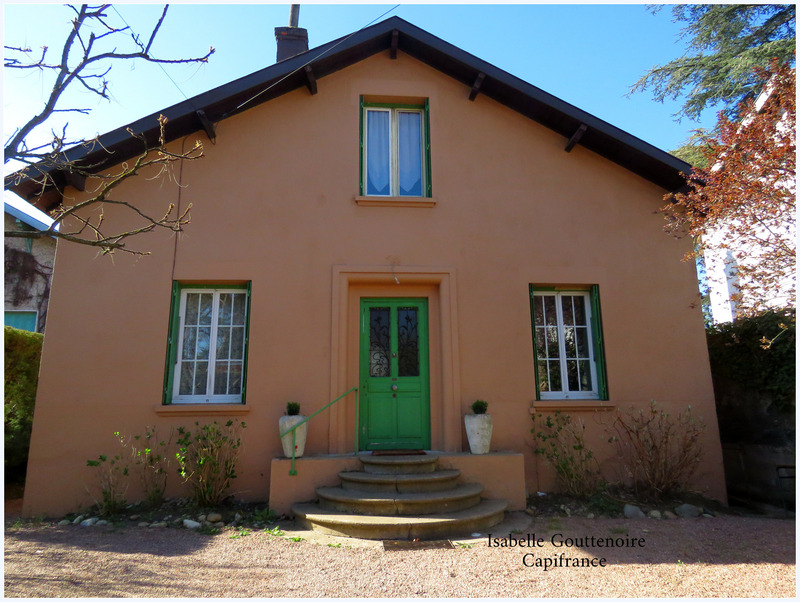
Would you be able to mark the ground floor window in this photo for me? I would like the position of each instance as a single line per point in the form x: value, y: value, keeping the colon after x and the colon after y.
x: 207, y: 347
x: 24, y: 320
x: 568, y: 344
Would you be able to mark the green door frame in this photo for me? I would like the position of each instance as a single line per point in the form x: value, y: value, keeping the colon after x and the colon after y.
x: 395, y: 380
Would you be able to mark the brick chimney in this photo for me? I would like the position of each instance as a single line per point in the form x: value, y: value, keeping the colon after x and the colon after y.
x: 291, y: 40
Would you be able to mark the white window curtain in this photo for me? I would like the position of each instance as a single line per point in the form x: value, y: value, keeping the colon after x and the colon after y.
x: 378, y: 153
x: 409, y: 126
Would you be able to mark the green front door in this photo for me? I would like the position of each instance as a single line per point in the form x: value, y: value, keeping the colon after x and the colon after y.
x: 395, y: 402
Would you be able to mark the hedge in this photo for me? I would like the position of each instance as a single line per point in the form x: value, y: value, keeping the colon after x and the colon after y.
x: 23, y: 351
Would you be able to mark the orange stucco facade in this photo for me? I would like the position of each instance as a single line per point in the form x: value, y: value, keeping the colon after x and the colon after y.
x: 275, y: 203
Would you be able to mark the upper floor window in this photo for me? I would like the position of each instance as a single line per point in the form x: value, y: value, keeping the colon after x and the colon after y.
x: 395, y: 150
x: 568, y: 347
x: 207, y: 345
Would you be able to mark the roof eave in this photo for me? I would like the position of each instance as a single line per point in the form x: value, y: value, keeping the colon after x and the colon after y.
x: 261, y: 86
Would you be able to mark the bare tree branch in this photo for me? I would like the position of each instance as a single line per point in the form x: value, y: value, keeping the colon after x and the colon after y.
x: 84, y: 222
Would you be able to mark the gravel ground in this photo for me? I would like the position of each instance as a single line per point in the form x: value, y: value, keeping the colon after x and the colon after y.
x: 703, y: 557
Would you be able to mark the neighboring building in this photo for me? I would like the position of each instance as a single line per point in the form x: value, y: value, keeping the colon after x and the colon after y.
x: 724, y: 254
x: 383, y: 210
x: 28, y: 267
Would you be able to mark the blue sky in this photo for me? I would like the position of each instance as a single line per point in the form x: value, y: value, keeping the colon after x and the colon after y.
x: 586, y: 54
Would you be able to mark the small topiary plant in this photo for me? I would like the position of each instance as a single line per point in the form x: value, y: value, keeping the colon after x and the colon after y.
x: 480, y: 406
x: 292, y: 408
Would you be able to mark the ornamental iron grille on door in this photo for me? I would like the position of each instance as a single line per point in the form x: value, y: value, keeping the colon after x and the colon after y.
x: 395, y: 404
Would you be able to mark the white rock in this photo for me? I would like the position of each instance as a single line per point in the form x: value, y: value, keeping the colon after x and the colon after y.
x: 238, y: 517
x: 654, y: 514
x: 78, y: 520
x: 100, y: 523
x: 64, y: 522
x: 191, y: 524
x: 144, y: 524
x: 89, y: 521
x: 631, y: 511
x: 159, y: 524
x: 201, y: 518
x: 688, y: 511
x: 214, y: 517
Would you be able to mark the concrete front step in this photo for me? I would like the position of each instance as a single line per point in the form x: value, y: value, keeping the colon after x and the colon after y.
x: 393, y: 503
x: 399, y: 464
x: 432, y: 526
x: 439, y: 480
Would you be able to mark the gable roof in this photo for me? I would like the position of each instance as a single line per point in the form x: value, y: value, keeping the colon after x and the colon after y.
x: 478, y: 76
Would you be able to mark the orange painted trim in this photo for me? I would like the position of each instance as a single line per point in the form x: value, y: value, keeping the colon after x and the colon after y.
x: 202, y: 409
x: 395, y: 201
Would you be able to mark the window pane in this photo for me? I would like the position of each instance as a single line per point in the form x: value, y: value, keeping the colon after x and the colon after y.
x: 223, y: 351
x: 582, y: 336
x: 379, y: 341
x: 189, y: 343
x: 552, y: 342
x: 541, y: 373
x: 538, y: 311
x: 225, y: 308
x: 192, y: 302
x: 572, y: 375
x: 554, y: 370
x: 237, y: 342
x: 200, y: 378
x: 187, y: 378
x: 221, y: 379
x: 378, y: 153
x: 550, y: 316
x: 585, y: 375
x: 580, y: 310
x: 204, y: 311
x: 566, y: 310
x: 235, y: 378
x: 203, y: 342
x: 570, y: 349
x: 409, y: 132
x: 239, y: 302
x: 407, y: 341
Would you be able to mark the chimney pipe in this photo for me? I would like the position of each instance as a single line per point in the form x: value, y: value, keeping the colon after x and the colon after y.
x: 291, y: 40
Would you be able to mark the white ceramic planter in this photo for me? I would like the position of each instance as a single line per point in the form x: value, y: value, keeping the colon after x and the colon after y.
x: 287, y: 422
x: 479, y: 432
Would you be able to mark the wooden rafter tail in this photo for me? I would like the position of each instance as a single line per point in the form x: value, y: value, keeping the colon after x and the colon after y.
x: 576, y: 137
x: 476, y: 87
x: 311, y: 80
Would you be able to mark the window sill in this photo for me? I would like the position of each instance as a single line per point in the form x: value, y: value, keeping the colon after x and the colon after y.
x: 202, y: 409
x: 573, y: 405
x: 395, y: 201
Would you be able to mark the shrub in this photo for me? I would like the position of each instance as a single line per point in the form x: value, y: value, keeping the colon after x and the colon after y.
x: 151, y: 460
x: 207, y: 457
x: 23, y: 352
x: 113, y: 484
x: 562, y: 443
x: 292, y: 408
x: 480, y: 406
x: 659, y: 451
x: 758, y: 354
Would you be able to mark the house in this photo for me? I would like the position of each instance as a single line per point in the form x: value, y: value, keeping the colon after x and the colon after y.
x: 28, y: 266
x: 730, y: 257
x: 389, y: 213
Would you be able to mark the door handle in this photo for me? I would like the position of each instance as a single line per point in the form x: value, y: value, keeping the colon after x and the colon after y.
x: 394, y: 387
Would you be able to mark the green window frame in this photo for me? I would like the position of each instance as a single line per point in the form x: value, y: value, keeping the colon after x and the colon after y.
x: 394, y: 109
x: 195, y: 366
x: 565, y: 368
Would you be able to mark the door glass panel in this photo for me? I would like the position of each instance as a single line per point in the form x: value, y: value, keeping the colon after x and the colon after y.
x: 379, y: 341
x: 407, y: 341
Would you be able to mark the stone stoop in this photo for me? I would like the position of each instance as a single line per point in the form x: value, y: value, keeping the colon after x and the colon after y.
x: 400, y: 497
